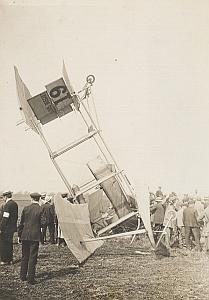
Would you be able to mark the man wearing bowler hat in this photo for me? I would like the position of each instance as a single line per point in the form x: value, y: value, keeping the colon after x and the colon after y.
x: 29, y: 232
x: 8, y: 226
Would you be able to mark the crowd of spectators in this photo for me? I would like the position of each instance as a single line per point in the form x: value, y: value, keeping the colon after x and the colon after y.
x: 181, y: 222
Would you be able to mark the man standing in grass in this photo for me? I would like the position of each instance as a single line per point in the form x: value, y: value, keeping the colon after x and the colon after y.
x: 29, y: 232
x: 8, y: 226
x: 49, y: 213
x: 192, y: 228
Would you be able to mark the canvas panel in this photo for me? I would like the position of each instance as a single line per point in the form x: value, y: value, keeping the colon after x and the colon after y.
x: 111, y: 187
x: 143, y: 202
x: 23, y: 95
x: 75, y: 224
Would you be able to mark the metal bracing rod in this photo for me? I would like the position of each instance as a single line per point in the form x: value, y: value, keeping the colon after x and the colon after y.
x: 121, y: 186
x: 89, y: 115
x: 94, y: 137
x: 63, y: 177
x: 54, y: 162
x: 20, y: 122
x: 124, y: 180
x: 134, y: 232
x: 98, y: 145
x: 139, y: 223
x: 129, y: 184
x: 94, y: 124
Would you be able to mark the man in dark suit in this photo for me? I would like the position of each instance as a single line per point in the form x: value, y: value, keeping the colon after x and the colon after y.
x: 8, y: 226
x: 49, y: 213
x: 190, y: 221
x: 29, y: 232
x: 158, y: 212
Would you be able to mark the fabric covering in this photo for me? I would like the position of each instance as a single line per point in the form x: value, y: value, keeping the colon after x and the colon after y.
x: 144, y: 210
x: 100, y: 210
x: 24, y: 95
x: 74, y: 222
x: 98, y: 204
x: 111, y: 187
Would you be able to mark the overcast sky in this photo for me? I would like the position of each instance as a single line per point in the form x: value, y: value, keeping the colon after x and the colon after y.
x: 151, y: 62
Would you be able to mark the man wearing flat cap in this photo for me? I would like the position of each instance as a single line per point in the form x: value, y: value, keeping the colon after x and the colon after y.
x: 8, y: 226
x: 29, y: 232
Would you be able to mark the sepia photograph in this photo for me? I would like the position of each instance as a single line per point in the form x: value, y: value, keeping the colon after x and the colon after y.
x: 104, y: 149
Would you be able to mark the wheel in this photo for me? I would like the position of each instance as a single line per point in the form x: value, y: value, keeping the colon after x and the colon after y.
x: 90, y: 79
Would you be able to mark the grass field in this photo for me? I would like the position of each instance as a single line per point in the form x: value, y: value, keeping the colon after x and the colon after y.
x: 115, y: 271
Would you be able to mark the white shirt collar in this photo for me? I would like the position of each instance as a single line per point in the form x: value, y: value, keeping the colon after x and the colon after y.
x: 8, y: 199
x: 35, y: 202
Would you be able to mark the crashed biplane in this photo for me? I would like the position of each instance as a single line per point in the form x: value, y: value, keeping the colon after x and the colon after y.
x: 104, y: 207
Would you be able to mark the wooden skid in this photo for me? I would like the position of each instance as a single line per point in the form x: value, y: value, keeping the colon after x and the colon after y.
x: 134, y: 232
x: 131, y: 214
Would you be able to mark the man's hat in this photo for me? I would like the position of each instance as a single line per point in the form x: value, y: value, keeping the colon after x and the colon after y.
x: 191, y: 201
x: 64, y: 195
x: 7, y: 193
x: 158, y: 199
x: 35, y: 196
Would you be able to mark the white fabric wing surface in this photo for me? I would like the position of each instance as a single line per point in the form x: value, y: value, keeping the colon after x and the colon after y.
x: 75, y: 224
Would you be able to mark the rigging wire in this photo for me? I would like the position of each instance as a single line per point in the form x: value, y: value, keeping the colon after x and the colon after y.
x: 95, y: 111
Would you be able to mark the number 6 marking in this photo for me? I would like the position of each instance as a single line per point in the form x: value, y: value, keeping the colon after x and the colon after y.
x: 57, y: 91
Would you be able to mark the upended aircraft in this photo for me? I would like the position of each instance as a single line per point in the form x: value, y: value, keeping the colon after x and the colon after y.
x: 105, y: 206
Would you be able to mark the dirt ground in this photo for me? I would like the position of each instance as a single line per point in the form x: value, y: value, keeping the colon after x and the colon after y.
x: 115, y: 271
